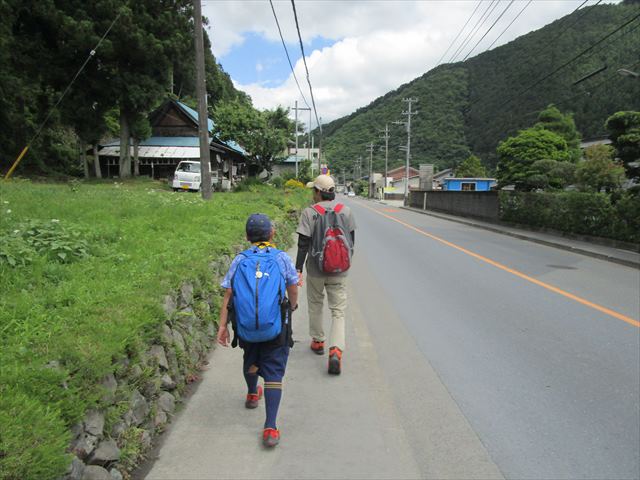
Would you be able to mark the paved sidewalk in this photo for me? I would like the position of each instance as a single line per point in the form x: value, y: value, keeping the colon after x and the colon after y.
x: 611, y: 254
x: 350, y: 426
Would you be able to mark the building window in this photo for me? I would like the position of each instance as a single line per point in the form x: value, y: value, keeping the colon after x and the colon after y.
x: 315, y: 155
x: 468, y: 187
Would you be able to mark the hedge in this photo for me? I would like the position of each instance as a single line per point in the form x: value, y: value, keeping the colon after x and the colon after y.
x: 597, y: 214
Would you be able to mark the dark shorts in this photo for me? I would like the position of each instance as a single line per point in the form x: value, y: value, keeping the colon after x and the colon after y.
x: 270, y: 358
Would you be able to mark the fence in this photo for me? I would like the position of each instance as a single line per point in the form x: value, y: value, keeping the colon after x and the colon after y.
x: 485, y: 205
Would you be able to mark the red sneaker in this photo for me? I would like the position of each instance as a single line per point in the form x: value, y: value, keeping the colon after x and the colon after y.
x: 270, y: 437
x: 335, y: 360
x: 253, y: 398
x: 317, y: 347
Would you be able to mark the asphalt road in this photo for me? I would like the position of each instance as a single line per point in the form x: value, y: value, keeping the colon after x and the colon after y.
x: 550, y: 385
x: 469, y: 355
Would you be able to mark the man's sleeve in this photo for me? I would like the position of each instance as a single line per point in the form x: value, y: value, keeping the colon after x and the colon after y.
x: 303, y: 250
x: 226, y: 281
x: 304, y: 227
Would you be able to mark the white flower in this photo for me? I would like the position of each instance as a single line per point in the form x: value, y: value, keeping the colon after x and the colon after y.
x: 16, y: 231
x: 55, y: 220
x: 5, y: 202
x: 8, y: 210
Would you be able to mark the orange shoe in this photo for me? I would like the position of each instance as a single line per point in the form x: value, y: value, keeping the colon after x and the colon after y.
x: 317, y: 347
x: 253, y: 398
x: 270, y: 437
x: 335, y: 361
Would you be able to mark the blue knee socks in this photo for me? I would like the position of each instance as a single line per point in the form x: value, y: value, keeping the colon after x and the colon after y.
x: 252, y: 382
x: 272, y: 396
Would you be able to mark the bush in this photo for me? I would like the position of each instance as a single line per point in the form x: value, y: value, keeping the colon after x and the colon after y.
x: 292, y: 183
x: 248, y: 185
x: 277, y: 182
x: 574, y: 212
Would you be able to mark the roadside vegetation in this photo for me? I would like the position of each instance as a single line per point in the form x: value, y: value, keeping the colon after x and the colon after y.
x: 83, y: 270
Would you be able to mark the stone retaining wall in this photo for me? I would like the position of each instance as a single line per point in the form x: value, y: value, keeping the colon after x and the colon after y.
x: 140, y: 396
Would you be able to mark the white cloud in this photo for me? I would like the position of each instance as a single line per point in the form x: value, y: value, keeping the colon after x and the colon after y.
x: 379, y: 45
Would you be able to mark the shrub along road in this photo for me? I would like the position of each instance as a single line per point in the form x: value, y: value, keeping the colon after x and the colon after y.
x: 470, y: 355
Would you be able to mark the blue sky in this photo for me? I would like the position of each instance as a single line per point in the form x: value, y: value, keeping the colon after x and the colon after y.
x: 263, y: 61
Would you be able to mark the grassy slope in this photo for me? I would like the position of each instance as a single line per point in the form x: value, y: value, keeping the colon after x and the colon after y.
x: 143, y: 241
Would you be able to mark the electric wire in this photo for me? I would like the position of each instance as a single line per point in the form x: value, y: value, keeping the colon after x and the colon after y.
x: 66, y: 90
x: 481, y: 21
x: 577, y: 19
x: 490, y: 28
x: 511, y: 23
x: 286, y: 51
x: 461, y: 30
x: 568, y: 62
x: 313, y: 102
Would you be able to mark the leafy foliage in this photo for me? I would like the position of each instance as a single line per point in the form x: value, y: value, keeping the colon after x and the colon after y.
x: 553, y: 120
x: 624, y: 131
x: 518, y: 155
x: 471, y: 167
x: 599, y: 171
x: 263, y: 133
x: 574, y: 212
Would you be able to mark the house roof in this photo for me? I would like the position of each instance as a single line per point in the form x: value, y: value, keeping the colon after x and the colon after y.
x: 470, y: 178
x: 163, y: 142
x: 194, y: 116
x: 152, y: 151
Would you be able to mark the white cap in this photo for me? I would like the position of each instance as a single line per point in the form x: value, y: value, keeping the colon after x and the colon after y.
x: 323, y: 183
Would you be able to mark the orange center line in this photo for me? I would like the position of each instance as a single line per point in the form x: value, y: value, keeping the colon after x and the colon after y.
x: 559, y: 291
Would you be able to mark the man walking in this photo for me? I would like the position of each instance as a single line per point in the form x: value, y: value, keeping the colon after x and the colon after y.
x: 327, y: 251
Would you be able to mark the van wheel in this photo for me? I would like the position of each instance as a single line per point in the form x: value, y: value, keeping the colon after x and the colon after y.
x: 175, y: 189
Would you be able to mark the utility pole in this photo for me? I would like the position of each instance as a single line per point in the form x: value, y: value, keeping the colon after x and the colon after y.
x: 296, y: 108
x: 370, y: 148
x: 386, y: 156
x: 203, y: 118
x: 408, y: 113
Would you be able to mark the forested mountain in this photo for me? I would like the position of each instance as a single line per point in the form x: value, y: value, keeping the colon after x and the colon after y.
x: 147, y: 55
x: 469, y: 107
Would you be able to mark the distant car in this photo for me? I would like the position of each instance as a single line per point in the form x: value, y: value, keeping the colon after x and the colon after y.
x: 351, y: 194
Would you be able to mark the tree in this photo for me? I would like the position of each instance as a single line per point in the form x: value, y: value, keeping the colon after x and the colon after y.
x: 471, y: 167
x: 551, y: 174
x: 517, y: 155
x: 263, y: 133
x: 599, y: 171
x: 555, y: 121
x: 624, y: 132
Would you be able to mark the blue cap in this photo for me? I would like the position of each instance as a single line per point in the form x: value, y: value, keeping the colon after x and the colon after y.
x: 258, y: 227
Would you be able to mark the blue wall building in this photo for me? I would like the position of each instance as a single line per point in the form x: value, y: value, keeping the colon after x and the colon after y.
x: 468, y: 184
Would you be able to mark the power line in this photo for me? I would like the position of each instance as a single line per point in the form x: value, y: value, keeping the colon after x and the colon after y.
x: 512, y: 21
x: 490, y: 28
x: 460, y: 32
x: 564, y: 29
x: 481, y: 21
x: 287, y: 53
x: 315, y: 110
x: 583, y: 52
x: 64, y: 93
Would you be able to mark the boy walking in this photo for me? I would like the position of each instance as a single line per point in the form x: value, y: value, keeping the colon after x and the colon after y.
x: 255, y: 302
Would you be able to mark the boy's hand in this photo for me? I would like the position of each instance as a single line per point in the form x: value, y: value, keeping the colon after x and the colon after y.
x: 300, y: 282
x: 223, y: 335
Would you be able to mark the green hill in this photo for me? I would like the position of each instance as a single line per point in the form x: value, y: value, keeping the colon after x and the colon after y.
x: 462, y: 106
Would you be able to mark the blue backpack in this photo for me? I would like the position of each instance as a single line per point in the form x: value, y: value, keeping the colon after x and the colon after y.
x: 258, y: 294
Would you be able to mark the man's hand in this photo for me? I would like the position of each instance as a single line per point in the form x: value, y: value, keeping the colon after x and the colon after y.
x: 300, y: 282
x: 223, y: 335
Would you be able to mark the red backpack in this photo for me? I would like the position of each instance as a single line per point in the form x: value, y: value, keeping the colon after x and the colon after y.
x: 331, y: 246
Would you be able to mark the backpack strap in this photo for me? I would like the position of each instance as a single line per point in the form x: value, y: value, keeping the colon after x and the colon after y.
x: 320, y: 209
x: 338, y: 208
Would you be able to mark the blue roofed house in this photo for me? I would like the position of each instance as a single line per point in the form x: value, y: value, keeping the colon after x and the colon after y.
x: 468, y: 184
x: 174, y: 137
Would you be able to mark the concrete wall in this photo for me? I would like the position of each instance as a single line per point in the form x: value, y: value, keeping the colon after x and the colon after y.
x: 485, y: 205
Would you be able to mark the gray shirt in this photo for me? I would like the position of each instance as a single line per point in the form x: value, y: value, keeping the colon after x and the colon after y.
x: 305, y: 227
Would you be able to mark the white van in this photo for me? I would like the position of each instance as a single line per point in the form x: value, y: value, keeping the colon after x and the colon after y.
x: 187, y: 176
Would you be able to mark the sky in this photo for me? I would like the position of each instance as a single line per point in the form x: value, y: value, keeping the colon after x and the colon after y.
x: 356, y: 51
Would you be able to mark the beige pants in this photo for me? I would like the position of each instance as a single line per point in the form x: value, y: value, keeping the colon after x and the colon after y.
x: 336, y: 288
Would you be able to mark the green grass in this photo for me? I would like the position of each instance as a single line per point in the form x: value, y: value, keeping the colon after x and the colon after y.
x: 83, y: 269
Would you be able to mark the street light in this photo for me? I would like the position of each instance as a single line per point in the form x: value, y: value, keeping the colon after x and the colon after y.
x: 628, y: 73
